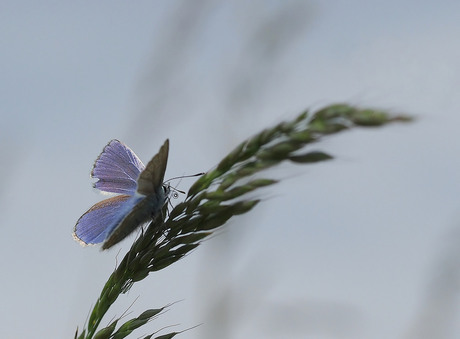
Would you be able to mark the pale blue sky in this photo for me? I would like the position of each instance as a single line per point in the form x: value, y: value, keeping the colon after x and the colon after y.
x: 353, y: 248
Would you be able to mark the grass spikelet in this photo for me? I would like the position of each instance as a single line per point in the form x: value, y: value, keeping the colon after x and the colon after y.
x: 218, y: 196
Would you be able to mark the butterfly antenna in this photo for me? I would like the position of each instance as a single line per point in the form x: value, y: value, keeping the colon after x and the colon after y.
x: 176, y: 191
x: 186, y: 176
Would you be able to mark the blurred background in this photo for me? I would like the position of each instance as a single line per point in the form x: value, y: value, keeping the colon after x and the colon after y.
x: 364, y: 246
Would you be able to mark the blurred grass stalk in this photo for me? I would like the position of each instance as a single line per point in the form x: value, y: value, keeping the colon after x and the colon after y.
x: 216, y: 197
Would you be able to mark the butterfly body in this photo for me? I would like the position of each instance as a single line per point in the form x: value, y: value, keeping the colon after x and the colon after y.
x: 142, y: 197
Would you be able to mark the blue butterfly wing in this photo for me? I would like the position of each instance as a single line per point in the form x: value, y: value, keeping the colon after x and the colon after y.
x: 102, y: 219
x: 117, y: 169
x: 145, y: 209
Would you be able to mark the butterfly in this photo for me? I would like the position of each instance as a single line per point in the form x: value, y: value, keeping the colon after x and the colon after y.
x: 142, y: 194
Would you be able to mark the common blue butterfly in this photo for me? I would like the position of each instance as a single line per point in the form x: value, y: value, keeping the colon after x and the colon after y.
x: 142, y: 194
